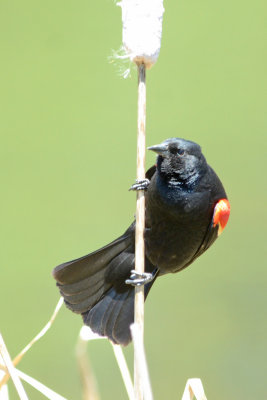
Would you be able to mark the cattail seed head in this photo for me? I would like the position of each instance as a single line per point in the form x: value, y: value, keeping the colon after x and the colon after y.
x: 142, y: 29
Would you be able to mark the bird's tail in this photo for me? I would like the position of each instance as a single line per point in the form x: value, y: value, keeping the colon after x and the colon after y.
x: 94, y: 286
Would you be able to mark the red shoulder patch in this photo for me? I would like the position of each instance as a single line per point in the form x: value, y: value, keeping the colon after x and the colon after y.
x: 221, y: 214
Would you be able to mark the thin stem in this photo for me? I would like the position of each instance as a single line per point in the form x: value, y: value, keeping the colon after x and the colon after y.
x: 11, y: 369
x: 3, y: 390
x: 140, y: 222
x: 49, y: 393
x: 89, y: 384
x: 19, y: 357
x: 124, y: 370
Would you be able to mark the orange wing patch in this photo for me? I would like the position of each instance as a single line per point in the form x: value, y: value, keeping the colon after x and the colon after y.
x: 221, y: 214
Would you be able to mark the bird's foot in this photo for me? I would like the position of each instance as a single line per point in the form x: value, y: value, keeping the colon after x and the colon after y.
x: 139, y: 279
x: 141, y: 184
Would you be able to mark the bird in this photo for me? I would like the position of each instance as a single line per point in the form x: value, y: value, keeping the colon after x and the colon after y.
x: 186, y: 209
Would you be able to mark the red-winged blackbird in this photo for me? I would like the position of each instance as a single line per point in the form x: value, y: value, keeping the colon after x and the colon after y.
x: 186, y: 210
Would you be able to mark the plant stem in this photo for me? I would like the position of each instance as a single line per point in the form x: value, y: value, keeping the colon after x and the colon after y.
x: 140, y: 221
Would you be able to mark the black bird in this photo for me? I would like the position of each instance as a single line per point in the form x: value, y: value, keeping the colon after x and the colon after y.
x: 186, y: 210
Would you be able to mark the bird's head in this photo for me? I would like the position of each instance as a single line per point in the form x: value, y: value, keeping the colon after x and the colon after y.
x: 179, y: 160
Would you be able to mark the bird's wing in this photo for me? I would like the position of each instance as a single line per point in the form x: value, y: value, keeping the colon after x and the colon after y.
x: 210, y: 237
x: 218, y: 222
x: 150, y: 172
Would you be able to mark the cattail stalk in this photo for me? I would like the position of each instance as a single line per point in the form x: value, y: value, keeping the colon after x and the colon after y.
x: 141, y: 36
x: 140, y: 221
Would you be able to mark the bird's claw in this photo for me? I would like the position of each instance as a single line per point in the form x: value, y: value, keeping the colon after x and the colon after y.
x: 141, y: 184
x: 139, y: 279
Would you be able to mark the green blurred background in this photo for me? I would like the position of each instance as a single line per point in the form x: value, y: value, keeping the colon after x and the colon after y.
x: 68, y: 154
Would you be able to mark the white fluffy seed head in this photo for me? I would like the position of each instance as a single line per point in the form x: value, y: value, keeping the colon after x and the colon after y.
x: 142, y: 29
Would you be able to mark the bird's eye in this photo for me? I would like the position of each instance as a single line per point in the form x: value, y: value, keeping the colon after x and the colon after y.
x: 180, y: 152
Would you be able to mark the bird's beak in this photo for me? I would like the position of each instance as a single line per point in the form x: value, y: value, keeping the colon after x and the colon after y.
x: 160, y: 149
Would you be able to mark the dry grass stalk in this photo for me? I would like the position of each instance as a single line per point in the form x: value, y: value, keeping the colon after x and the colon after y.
x: 19, y: 357
x: 8, y: 367
x: 124, y: 370
x: 50, y: 394
x: 87, y: 377
x: 89, y: 385
x: 4, y: 388
x: 194, y: 388
x: 11, y: 370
